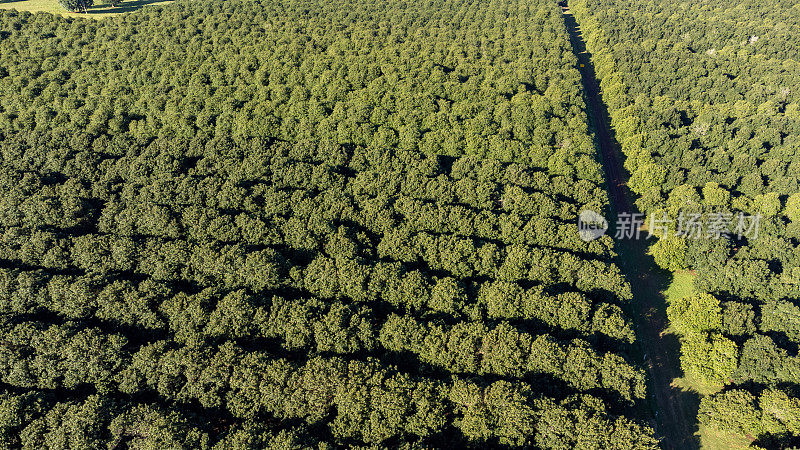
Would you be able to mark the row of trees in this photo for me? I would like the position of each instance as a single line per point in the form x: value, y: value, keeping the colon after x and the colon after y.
x: 236, y: 224
x: 708, y: 355
x: 704, y: 102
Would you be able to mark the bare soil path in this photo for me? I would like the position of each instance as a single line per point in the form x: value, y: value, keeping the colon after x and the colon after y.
x: 674, y: 410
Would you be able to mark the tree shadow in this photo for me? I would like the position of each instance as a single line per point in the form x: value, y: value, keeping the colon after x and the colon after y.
x: 127, y: 6
x: 673, y: 410
x: 777, y: 440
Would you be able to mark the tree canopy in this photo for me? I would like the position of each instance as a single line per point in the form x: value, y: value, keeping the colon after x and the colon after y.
x: 704, y: 99
x: 239, y: 224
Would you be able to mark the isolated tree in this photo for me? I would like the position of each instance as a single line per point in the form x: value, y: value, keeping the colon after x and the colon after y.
x: 77, y: 5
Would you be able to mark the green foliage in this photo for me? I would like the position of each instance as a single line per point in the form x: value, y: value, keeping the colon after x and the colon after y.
x: 716, y: 197
x: 782, y: 317
x: 77, y: 5
x: 792, y: 209
x: 734, y: 410
x: 703, y: 98
x: 235, y: 224
x: 669, y: 253
x: 772, y: 416
x: 738, y: 319
x: 695, y: 314
x: 577, y: 423
x: 763, y: 361
x: 500, y: 411
x: 709, y: 358
x: 768, y: 204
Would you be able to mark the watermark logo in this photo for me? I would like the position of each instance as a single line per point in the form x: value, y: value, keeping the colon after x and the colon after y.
x: 591, y: 225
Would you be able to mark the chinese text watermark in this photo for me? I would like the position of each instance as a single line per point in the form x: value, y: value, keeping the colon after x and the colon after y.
x: 592, y: 225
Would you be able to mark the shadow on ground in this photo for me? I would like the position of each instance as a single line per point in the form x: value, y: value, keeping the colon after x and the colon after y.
x: 674, y: 411
x: 123, y: 7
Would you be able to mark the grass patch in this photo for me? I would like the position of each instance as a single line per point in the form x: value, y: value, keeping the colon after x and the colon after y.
x: 682, y: 285
x: 98, y: 11
x: 689, y: 383
x: 713, y: 439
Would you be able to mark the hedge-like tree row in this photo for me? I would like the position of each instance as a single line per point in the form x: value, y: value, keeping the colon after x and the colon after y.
x: 704, y: 101
x: 251, y: 224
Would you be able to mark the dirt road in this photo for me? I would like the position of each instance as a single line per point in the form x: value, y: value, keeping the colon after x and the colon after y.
x: 674, y: 411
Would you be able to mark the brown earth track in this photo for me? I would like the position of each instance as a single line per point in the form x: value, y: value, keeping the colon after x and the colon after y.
x: 674, y: 410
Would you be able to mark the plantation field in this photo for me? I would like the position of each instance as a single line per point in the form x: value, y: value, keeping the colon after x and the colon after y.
x: 333, y: 224
x: 703, y: 99
x: 237, y: 224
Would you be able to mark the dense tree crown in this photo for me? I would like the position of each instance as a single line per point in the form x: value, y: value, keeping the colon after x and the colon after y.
x: 240, y: 224
x: 705, y: 101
